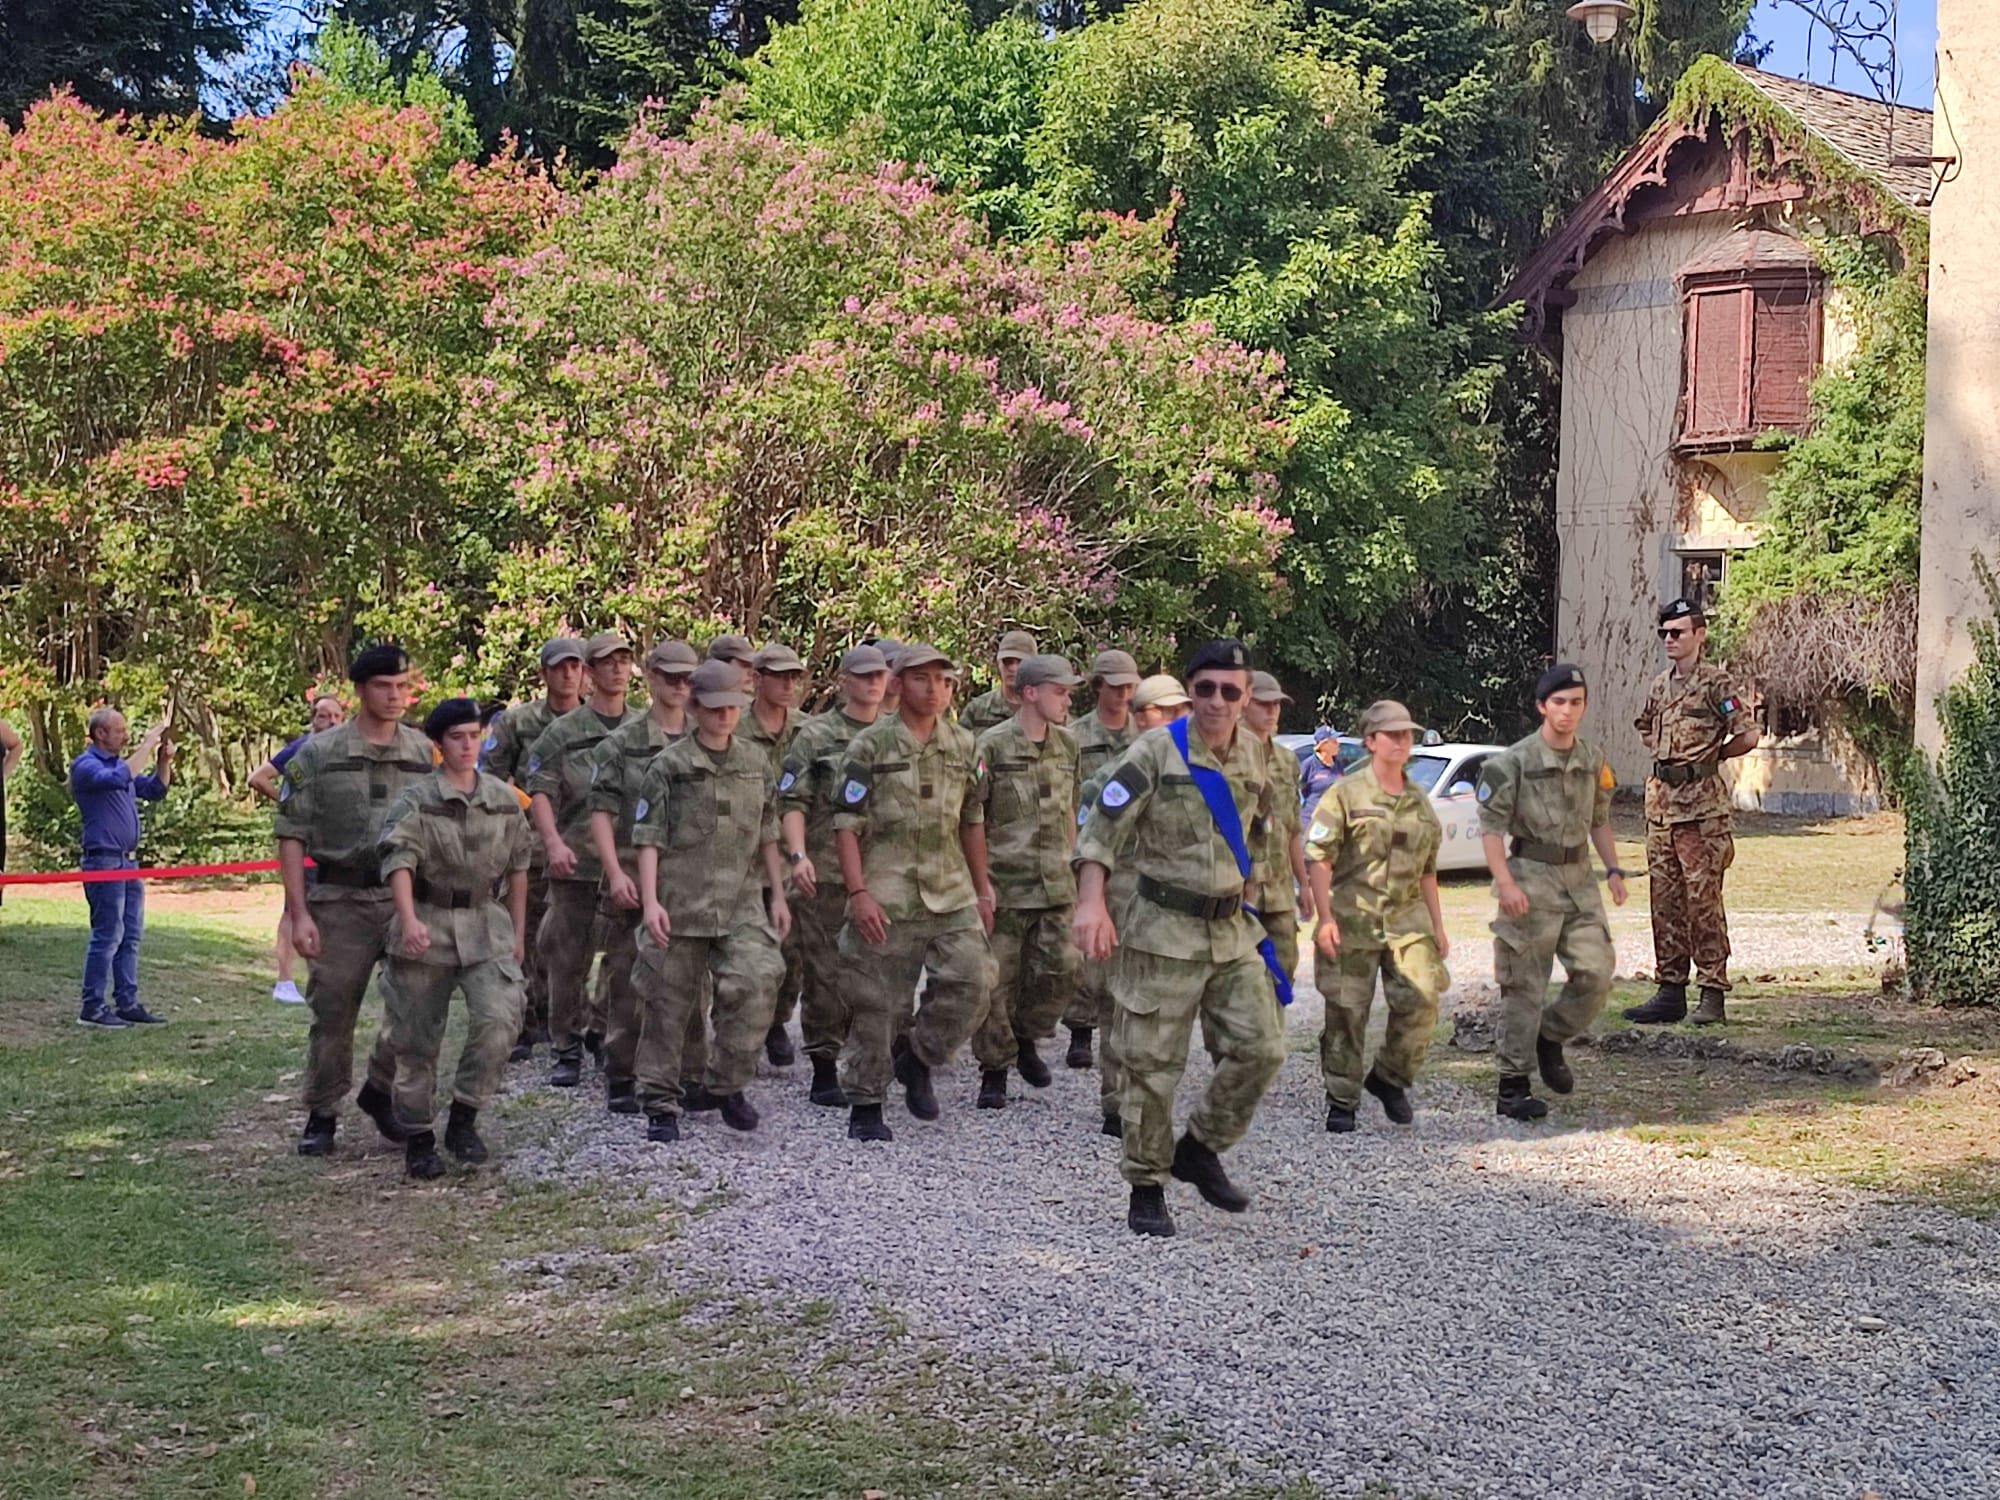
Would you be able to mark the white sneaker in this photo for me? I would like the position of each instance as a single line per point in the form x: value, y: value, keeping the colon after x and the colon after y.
x: 287, y: 993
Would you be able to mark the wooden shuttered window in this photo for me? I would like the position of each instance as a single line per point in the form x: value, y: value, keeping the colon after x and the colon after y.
x: 1751, y: 349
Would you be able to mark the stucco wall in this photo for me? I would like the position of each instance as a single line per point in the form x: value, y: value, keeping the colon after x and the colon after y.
x: 1962, y: 395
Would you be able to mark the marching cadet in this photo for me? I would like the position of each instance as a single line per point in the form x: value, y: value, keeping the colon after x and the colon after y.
x: 706, y: 831
x: 1101, y: 737
x: 776, y: 674
x: 618, y: 772
x: 448, y: 844
x: 1693, y: 720
x: 738, y: 652
x: 994, y: 707
x: 1027, y: 784
x: 1279, y: 863
x: 331, y: 805
x: 1159, y: 699
x: 1371, y: 858
x: 508, y: 741
x: 1543, y: 802
x: 1179, y: 809
x: 911, y: 842
x: 558, y: 771
x: 808, y: 792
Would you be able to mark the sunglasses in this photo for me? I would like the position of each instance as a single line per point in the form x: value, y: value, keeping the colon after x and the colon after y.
x: 1673, y: 630
x: 1208, y: 687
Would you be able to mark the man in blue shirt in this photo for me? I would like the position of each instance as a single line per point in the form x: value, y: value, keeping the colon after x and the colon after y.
x: 107, y: 786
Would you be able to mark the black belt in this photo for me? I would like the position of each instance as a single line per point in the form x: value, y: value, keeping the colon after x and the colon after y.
x: 110, y: 854
x: 437, y: 895
x: 1552, y: 854
x: 354, y: 877
x: 1682, y: 772
x: 1188, y: 903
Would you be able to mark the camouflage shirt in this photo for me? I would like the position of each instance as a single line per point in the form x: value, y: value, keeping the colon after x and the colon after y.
x: 906, y: 801
x: 774, y: 745
x: 1097, y: 744
x: 618, y: 770
x: 708, y: 813
x: 1029, y: 793
x: 1271, y: 858
x: 983, y: 712
x: 1150, y: 815
x: 1381, y: 846
x: 1546, y: 796
x: 455, y: 843
x: 1687, y: 720
x: 511, y: 736
x: 334, y: 797
x: 809, y: 783
x: 559, y: 766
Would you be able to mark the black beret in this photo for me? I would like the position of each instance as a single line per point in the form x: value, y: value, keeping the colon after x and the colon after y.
x: 1223, y: 655
x: 1563, y: 675
x: 448, y: 715
x: 384, y: 660
x: 1683, y: 609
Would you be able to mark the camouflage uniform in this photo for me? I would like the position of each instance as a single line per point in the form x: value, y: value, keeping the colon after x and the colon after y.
x: 336, y: 792
x: 1685, y: 723
x: 807, y: 785
x: 906, y: 801
x: 1271, y: 859
x: 1171, y: 963
x: 775, y: 746
x: 985, y: 711
x: 459, y: 850
x: 1097, y: 746
x: 1546, y: 802
x: 1028, y: 792
x: 617, y: 773
x: 559, y: 767
x: 1380, y: 848
x: 507, y: 743
x: 1121, y: 888
x: 708, y: 813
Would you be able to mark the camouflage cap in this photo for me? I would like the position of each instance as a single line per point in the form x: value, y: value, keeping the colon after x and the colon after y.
x: 718, y: 684
x: 777, y: 658
x: 1265, y: 688
x: 732, y: 648
x: 1015, y: 645
x: 1160, y: 691
x: 605, y: 643
x: 1116, y: 668
x: 863, y: 661
x: 672, y: 659
x: 1038, y: 670
x: 561, y: 648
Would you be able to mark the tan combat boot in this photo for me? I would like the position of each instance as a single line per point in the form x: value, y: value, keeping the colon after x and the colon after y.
x: 1709, y: 1012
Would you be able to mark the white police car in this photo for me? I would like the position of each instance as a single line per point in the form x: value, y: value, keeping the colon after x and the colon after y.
x: 1449, y: 773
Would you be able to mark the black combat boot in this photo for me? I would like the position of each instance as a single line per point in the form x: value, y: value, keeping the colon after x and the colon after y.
x: 738, y: 1113
x: 1554, y: 1068
x: 1148, y: 1213
x: 1516, y: 1102
x: 523, y: 1050
x: 1034, y: 1072
x: 420, y: 1156
x: 1199, y: 1167
x: 865, y: 1123
x: 568, y: 1071
x: 1395, y: 1101
x: 992, y: 1088
x: 1710, y: 1012
x: 826, y: 1087
x: 461, y: 1134
x: 374, y: 1103
x: 665, y: 1129
x: 1114, y: 1125
x: 621, y: 1096
x: 593, y: 1043
x: 778, y: 1047
x: 1669, y: 1003
x: 1078, y: 1055
x: 1339, y: 1119
x: 915, y: 1077
x: 697, y: 1100
x: 317, y: 1138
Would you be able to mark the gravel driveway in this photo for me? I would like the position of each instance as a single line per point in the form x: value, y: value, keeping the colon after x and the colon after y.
x: 1467, y: 1308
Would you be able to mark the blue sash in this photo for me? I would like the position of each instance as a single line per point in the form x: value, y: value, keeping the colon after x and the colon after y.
x: 1214, y: 789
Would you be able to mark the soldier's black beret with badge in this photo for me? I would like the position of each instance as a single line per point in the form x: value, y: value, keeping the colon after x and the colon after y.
x: 1559, y: 678
x: 448, y: 715
x: 1219, y: 656
x: 384, y: 659
x: 1682, y: 609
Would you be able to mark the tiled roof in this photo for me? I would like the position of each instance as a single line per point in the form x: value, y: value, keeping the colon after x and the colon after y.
x: 1860, y: 128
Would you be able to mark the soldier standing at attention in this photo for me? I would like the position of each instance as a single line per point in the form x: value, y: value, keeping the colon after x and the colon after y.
x: 808, y: 797
x: 331, y: 805
x: 994, y: 707
x: 1028, y: 785
x: 615, y: 779
x: 507, y: 743
x: 558, y: 777
x: 1543, y: 802
x: 776, y: 674
x: 1101, y: 737
x: 911, y: 841
x: 738, y: 652
x: 1177, y: 809
x: 707, y: 838
x: 448, y: 844
x: 1280, y: 862
x: 1371, y: 856
x: 1692, y: 722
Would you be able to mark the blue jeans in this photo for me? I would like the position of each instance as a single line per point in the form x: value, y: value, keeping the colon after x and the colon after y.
x: 117, y: 915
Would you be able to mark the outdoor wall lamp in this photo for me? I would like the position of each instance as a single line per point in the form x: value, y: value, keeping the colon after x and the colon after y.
x: 1600, y: 19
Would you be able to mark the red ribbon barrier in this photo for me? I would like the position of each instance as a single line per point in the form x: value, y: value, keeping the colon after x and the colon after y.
x: 154, y: 872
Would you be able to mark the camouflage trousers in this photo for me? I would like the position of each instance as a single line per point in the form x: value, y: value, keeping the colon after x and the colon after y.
x: 535, y: 1007
x: 617, y: 935
x: 1034, y: 982
x: 568, y: 938
x: 418, y: 1003
x: 353, y: 937
x: 1156, y: 1000
x: 1564, y: 920
x: 1094, y: 989
x: 823, y: 1013
x: 741, y: 971
x: 951, y: 951
x: 1412, y: 977
x: 790, y: 997
x: 1684, y: 866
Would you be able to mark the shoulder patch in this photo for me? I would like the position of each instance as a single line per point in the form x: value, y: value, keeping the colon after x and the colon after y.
x: 491, y: 742
x: 285, y: 789
x: 787, y: 781
x: 534, y: 764
x: 1605, y: 779
x: 854, y: 793
x: 1485, y: 793
x: 1116, y: 794
x: 640, y: 809
x: 1729, y: 705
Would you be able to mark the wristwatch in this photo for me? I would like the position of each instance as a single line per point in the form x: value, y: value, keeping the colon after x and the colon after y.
x: 1610, y: 870
x: 793, y: 856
